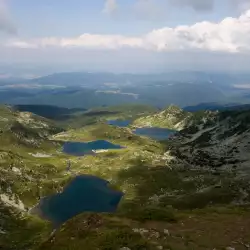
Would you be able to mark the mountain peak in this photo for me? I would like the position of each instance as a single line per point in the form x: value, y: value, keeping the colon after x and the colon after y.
x: 173, y: 108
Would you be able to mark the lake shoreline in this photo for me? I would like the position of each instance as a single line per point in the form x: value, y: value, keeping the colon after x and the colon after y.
x: 83, y: 194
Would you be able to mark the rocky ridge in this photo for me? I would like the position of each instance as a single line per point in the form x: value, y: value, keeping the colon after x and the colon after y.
x: 175, y: 118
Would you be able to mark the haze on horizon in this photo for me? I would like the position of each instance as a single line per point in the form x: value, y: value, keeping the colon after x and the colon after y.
x: 126, y: 36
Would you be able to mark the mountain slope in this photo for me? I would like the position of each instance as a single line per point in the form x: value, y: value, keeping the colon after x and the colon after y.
x: 171, y: 196
x: 23, y: 128
x: 174, y: 192
x: 224, y: 135
x: 175, y: 118
x: 25, y: 175
x: 224, y: 144
x: 48, y: 111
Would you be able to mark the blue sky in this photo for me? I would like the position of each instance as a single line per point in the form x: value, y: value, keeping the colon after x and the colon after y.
x: 125, y: 32
x: 74, y: 17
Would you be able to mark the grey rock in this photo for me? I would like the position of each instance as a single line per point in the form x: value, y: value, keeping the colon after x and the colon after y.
x: 166, y: 232
x: 230, y: 248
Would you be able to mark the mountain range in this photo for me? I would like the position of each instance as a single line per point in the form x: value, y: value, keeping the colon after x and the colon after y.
x: 175, y: 191
x: 87, y: 90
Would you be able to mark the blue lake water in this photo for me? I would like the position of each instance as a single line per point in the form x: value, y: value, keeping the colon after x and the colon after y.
x: 83, y: 148
x: 119, y: 123
x: 84, y: 193
x: 155, y: 133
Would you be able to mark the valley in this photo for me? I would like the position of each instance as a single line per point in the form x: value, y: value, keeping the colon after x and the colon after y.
x: 174, y: 190
x: 125, y: 125
x: 85, y: 90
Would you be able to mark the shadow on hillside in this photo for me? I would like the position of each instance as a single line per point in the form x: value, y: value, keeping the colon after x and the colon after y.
x: 101, y: 113
x: 154, y: 192
x: 49, y: 111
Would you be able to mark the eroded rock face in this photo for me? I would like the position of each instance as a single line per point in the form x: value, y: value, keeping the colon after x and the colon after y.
x: 12, y: 201
x: 27, y: 118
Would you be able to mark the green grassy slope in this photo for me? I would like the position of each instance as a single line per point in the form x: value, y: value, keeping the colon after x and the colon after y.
x: 170, y: 201
x: 25, y: 176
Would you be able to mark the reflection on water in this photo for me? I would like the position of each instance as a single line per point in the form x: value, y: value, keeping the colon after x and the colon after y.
x: 84, y: 193
x: 155, y: 133
x: 82, y: 148
x: 119, y: 123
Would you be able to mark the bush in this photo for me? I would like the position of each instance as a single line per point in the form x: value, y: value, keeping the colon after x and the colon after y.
x: 145, y: 213
x: 155, y: 213
x: 200, y: 200
x: 122, y: 237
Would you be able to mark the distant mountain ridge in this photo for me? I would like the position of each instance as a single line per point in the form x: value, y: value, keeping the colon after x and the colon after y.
x: 161, y: 95
x: 78, y: 78
x: 216, y: 106
x: 88, y: 90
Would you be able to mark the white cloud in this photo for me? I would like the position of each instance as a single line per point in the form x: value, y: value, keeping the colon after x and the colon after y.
x: 230, y: 35
x: 110, y: 7
x: 22, y: 45
x: 86, y: 40
x: 6, y: 23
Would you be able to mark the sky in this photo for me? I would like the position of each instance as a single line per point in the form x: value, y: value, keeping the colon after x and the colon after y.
x: 126, y: 35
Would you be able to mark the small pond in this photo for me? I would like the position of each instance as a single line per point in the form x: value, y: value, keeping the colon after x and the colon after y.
x: 155, y: 133
x: 83, y: 148
x: 119, y: 123
x: 84, y: 193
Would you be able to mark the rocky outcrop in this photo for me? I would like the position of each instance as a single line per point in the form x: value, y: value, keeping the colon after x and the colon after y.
x: 224, y: 143
x: 175, y: 118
